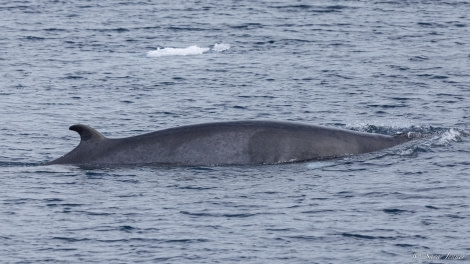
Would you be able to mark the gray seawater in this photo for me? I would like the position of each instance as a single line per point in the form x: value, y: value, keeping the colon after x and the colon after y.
x: 131, y: 67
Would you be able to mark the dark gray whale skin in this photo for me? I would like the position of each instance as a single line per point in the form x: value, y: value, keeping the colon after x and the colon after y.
x: 224, y: 143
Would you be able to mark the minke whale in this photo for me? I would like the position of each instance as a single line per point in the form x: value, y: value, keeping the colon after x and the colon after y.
x: 225, y: 143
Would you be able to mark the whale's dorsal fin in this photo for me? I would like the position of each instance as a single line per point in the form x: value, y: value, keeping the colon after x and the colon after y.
x: 87, y: 133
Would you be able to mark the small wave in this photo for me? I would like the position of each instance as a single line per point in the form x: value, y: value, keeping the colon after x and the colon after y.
x: 361, y: 236
x: 191, y: 50
x: 396, y: 211
x: 319, y: 164
x: 17, y: 164
x: 385, y: 129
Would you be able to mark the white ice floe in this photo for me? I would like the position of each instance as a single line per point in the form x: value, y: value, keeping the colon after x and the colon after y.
x: 191, y: 50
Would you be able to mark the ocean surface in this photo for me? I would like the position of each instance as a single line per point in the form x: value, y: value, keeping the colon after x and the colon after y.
x: 132, y: 67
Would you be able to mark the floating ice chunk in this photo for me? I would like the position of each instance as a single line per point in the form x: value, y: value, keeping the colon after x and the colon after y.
x: 219, y: 47
x: 191, y: 50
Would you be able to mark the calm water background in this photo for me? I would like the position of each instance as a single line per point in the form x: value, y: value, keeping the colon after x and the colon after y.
x: 375, y: 66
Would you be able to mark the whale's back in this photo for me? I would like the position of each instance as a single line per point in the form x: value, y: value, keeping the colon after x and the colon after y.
x: 225, y: 143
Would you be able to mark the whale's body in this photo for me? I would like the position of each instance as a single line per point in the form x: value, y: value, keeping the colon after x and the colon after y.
x: 225, y: 143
